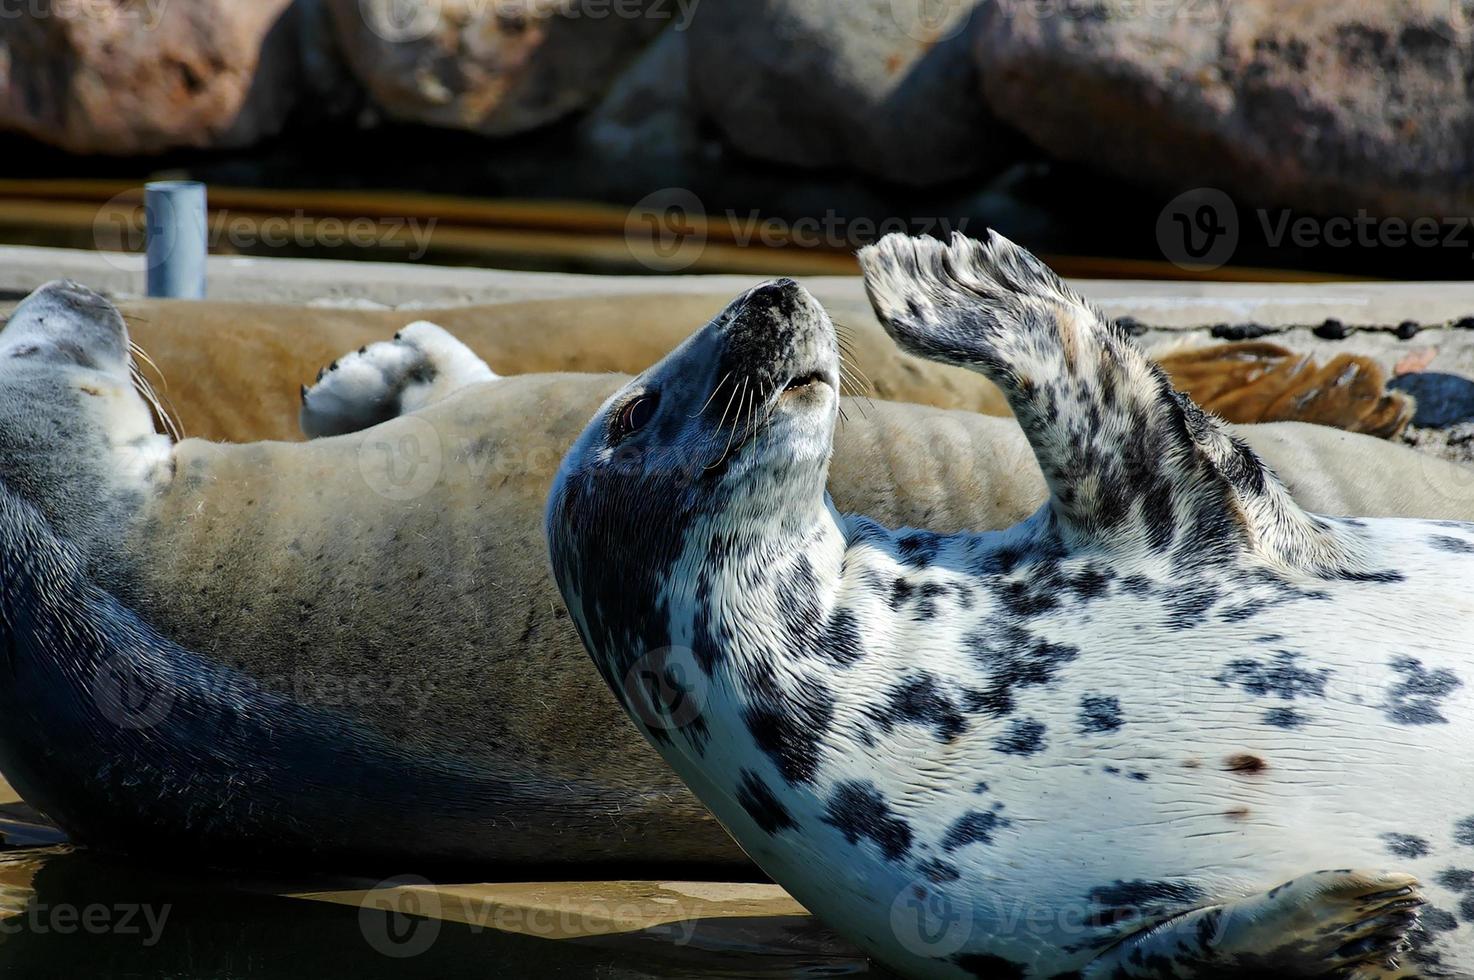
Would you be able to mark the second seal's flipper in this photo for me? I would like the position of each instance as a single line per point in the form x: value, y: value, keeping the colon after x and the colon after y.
x: 1130, y: 462
x: 420, y: 366
x: 1342, y: 924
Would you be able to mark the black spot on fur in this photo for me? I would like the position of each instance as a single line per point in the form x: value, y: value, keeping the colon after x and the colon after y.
x: 1434, y: 919
x: 1137, y: 585
x: 1024, y: 737
x: 1100, y: 713
x: 1285, y: 718
x: 859, y: 812
x: 919, y: 701
x: 1456, y: 879
x: 974, y: 827
x: 938, y: 872
x: 1386, y: 577
x: 1125, y: 900
x: 1282, y: 677
x: 1188, y: 606
x: 919, y: 548
x: 840, y: 642
x: 1025, y: 598
x: 1406, y: 845
x: 1464, y: 832
x: 1013, y: 658
x: 1458, y: 546
x: 766, y: 810
x: 1416, y: 699
x: 790, y: 734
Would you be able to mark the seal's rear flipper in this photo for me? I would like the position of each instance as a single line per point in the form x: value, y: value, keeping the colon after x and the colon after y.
x: 1344, y: 924
x: 1131, y: 463
x: 422, y: 365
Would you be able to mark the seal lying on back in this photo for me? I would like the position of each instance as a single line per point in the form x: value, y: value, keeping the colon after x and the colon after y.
x: 349, y: 653
x: 1170, y: 726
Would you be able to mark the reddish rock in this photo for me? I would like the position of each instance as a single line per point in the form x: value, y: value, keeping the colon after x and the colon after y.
x: 494, y: 66
x: 139, y: 78
x: 1325, y: 107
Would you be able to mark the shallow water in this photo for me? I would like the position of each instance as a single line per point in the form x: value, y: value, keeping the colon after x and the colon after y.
x: 65, y: 912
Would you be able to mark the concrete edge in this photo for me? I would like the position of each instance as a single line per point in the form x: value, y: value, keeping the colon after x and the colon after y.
x: 1169, y: 305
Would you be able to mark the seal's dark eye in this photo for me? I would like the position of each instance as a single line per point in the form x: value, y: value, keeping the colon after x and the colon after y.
x: 636, y: 415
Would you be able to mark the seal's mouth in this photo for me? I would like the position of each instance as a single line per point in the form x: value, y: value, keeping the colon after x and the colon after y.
x: 804, y: 383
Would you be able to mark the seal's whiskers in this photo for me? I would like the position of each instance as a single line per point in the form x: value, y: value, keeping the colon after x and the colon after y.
x: 162, y: 408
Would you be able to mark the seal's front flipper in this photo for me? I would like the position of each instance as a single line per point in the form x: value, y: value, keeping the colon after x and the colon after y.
x: 1131, y: 462
x: 1343, y: 924
x: 421, y: 365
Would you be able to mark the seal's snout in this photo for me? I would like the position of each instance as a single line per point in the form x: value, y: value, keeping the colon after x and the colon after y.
x: 67, y: 319
x: 779, y: 300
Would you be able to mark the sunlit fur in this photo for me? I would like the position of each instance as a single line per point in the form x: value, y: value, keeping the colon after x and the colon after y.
x: 1143, y: 733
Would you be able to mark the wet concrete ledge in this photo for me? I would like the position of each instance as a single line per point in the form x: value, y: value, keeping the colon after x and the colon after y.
x: 1161, y: 304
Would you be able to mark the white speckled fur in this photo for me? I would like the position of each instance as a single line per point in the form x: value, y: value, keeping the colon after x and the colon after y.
x: 1063, y: 743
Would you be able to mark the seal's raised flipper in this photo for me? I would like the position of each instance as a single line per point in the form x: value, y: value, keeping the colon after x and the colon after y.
x: 1344, y: 924
x: 421, y: 365
x: 1131, y: 462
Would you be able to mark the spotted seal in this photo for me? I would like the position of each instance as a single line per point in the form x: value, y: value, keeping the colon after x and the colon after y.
x: 1171, y: 725
x: 349, y: 653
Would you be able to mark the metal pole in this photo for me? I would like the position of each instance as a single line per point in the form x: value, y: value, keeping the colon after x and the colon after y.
x: 177, y: 242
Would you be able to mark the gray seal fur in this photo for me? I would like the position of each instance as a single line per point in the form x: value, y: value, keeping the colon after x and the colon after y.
x: 1171, y: 725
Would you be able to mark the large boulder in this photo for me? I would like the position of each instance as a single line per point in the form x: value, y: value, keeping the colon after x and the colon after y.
x: 141, y: 78
x: 887, y: 87
x: 1326, y: 107
x: 495, y: 67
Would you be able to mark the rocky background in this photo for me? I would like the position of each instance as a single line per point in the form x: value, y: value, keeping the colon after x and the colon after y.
x: 1040, y: 116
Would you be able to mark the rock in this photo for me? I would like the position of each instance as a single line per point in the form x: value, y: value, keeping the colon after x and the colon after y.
x: 142, y: 78
x: 495, y: 67
x: 863, y: 84
x: 1333, y: 108
x: 1443, y: 399
x: 646, y: 131
x: 1416, y: 360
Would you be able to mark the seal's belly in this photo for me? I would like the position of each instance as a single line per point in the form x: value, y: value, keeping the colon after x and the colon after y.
x: 1085, y: 750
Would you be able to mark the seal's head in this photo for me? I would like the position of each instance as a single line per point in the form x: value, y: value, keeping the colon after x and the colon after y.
x: 692, y: 459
